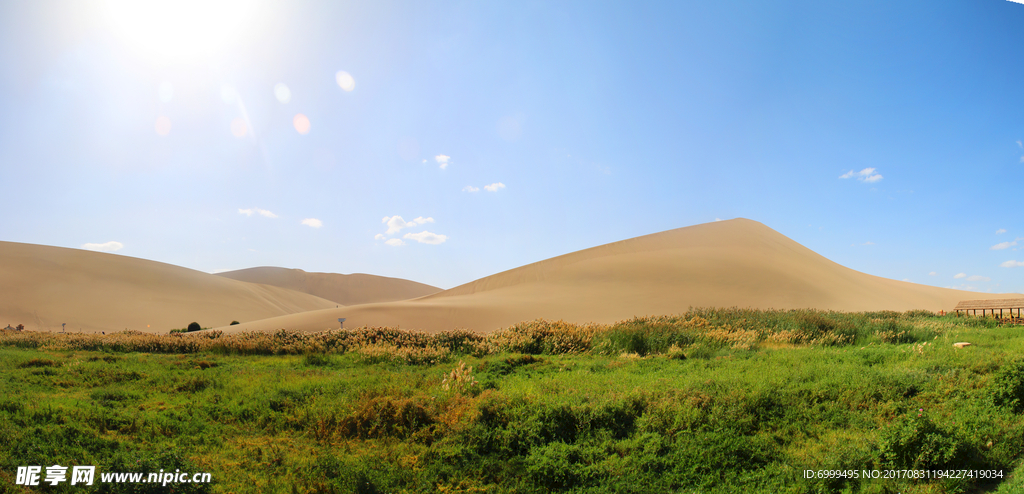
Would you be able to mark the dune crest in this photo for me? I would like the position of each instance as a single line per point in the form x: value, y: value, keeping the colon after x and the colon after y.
x: 345, y: 289
x: 738, y: 262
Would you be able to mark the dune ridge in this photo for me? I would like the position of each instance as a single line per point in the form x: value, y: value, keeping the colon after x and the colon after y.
x: 43, y: 286
x: 345, y: 289
x: 738, y: 262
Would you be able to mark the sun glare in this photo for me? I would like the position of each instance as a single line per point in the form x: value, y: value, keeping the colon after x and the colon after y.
x: 163, y: 125
x: 180, y: 31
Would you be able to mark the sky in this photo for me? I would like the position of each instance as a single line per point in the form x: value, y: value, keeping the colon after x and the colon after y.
x: 446, y: 141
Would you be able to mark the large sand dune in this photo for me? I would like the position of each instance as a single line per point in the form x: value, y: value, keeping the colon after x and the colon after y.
x: 345, y: 289
x: 42, y: 287
x: 738, y: 262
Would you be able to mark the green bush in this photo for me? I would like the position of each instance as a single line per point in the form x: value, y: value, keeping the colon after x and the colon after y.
x: 1007, y: 387
x: 233, y: 323
x: 193, y: 326
x: 914, y: 442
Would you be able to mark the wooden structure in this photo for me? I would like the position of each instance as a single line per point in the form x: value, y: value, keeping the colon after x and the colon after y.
x: 1012, y: 306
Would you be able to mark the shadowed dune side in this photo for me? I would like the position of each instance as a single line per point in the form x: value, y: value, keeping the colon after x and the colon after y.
x: 42, y: 287
x: 345, y: 289
x: 738, y: 262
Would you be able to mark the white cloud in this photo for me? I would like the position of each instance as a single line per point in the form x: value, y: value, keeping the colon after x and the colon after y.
x: 866, y: 175
x: 1006, y: 245
x: 426, y: 237
x: 933, y: 273
x: 396, y: 223
x: 379, y: 236
x: 261, y: 212
x: 395, y: 242
x: 868, y: 243
x: 104, y: 247
x: 1012, y: 264
x: 977, y: 277
x: 470, y: 188
x: 718, y: 219
x: 215, y: 271
x: 494, y: 187
x: 960, y: 275
x: 442, y: 160
x: 313, y: 222
x: 1000, y: 231
x: 1021, y: 145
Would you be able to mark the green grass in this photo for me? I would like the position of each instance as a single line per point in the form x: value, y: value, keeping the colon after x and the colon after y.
x: 712, y: 401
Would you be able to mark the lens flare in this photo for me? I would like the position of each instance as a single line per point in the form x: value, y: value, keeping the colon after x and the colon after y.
x: 238, y: 127
x: 345, y: 80
x: 282, y: 93
x: 301, y: 123
x: 163, y: 125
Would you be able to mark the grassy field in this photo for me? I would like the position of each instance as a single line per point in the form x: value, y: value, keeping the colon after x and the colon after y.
x: 711, y: 401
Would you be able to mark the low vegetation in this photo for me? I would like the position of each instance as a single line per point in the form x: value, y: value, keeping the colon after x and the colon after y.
x: 707, y: 401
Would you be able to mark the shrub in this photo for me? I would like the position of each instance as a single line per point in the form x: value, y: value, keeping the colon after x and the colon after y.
x: 193, y: 326
x: 916, y: 443
x: 1007, y: 387
x: 233, y: 323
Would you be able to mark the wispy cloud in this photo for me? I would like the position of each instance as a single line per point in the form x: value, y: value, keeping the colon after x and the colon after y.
x: 494, y: 187
x: 261, y: 212
x: 379, y: 236
x: 395, y: 242
x: 1020, y: 145
x: 978, y: 277
x: 442, y: 160
x: 104, y: 247
x: 960, y: 275
x: 866, y: 175
x: 1006, y: 245
x: 396, y: 223
x: 1012, y: 264
x: 426, y: 237
x: 1000, y: 231
x: 470, y: 188
x: 868, y: 243
x: 313, y: 222
x: 933, y: 273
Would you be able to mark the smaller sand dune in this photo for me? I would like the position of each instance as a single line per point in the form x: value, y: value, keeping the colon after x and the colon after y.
x: 345, y: 289
x: 42, y: 287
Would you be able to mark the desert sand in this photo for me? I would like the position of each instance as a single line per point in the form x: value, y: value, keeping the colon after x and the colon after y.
x: 345, y: 289
x: 739, y: 263
x: 42, y: 287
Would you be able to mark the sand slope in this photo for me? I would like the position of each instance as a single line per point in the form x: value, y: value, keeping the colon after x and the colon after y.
x: 42, y: 287
x: 729, y: 263
x: 345, y: 289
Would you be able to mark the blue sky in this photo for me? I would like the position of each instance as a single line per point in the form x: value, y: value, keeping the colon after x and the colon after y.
x: 481, y: 136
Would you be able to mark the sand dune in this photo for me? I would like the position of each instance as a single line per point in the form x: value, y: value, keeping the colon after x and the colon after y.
x: 42, y: 287
x: 738, y: 262
x: 345, y: 289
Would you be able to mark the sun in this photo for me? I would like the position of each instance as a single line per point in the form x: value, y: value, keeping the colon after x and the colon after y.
x: 181, y: 30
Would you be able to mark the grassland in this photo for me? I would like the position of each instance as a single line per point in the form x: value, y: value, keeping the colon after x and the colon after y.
x: 710, y: 401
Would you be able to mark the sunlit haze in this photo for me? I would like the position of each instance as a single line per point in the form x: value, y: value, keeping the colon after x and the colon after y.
x: 442, y: 142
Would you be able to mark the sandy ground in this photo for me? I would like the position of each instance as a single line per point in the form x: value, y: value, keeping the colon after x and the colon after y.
x: 738, y: 262
x: 345, y: 289
x: 42, y: 287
